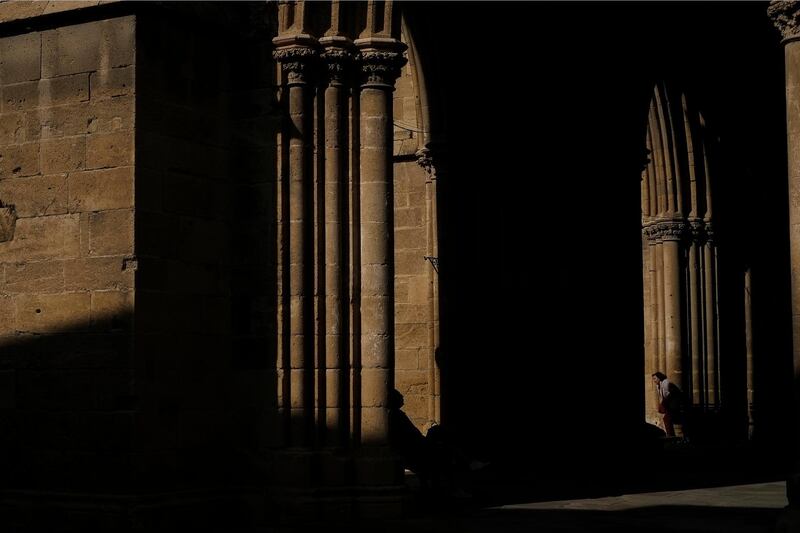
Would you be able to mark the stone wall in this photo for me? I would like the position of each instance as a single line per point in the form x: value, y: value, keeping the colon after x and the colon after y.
x: 159, y: 124
x: 414, y: 239
x: 206, y: 246
x: 67, y: 274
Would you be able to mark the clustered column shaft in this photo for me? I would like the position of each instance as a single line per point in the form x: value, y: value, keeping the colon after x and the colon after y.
x: 338, y: 59
x: 349, y: 391
x: 297, y: 62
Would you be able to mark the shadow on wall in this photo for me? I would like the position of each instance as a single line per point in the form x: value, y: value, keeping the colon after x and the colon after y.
x: 84, y: 411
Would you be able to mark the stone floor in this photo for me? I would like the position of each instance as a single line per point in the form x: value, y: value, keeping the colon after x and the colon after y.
x: 692, y: 488
x: 730, y: 509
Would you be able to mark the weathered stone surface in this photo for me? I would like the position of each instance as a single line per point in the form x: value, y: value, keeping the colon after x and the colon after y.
x: 64, y: 90
x: 100, y: 273
x: 41, y: 277
x: 407, y: 359
x: 410, y: 263
x: 111, y: 232
x: 20, y: 57
x: 39, y: 238
x: 20, y: 160
x: 419, y: 290
x: 12, y: 128
x: 88, y: 47
x: 409, y: 218
x: 7, y: 314
x: 375, y: 386
x: 45, y: 313
x: 411, y: 334
x: 56, y: 6
x: 63, y: 155
x: 109, y: 150
x: 20, y: 96
x: 23, y: 9
x: 109, y: 83
x: 99, y: 190
x: 36, y: 196
x: 412, y: 381
x: 410, y: 239
x: 114, y: 114
x: 8, y: 223
x: 412, y: 313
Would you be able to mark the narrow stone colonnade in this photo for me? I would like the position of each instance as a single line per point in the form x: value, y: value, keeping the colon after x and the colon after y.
x: 339, y: 63
x: 679, y: 253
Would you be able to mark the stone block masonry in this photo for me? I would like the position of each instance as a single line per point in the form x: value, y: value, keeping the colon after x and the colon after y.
x: 66, y: 289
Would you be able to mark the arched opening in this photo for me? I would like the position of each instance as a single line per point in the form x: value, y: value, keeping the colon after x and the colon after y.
x: 545, y: 293
x: 680, y: 256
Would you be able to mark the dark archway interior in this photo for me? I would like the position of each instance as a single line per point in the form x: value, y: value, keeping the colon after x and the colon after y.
x: 542, y: 116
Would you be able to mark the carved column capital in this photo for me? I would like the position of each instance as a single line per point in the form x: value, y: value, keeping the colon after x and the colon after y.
x: 651, y: 231
x: 425, y: 160
x: 381, y: 60
x: 432, y: 159
x: 666, y: 230
x: 697, y: 230
x: 337, y: 55
x: 297, y: 61
x: 785, y: 15
x: 672, y: 230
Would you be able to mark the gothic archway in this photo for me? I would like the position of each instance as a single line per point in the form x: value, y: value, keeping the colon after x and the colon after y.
x: 680, y: 252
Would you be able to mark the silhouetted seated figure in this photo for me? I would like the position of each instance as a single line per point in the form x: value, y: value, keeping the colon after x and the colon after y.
x: 439, y: 465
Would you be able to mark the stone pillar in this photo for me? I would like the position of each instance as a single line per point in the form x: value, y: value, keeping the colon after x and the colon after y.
x: 426, y: 160
x: 748, y: 336
x: 695, y: 323
x: 381, y: 59
x: 658, y: 260
x: 710, y: 313
x: 297, y: 56
x: 337, y: 58
x: 786, y: 16
x: 671, y: 235
x: 654, y: 353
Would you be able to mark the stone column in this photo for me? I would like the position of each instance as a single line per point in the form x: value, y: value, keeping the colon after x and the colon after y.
x: 786, y: 16
x: 381, y: 59
x: 426, y: 160
x: 671, y: 234
x: 337, y: 58
x: 695, y: 324
x: 748, y: 336
x: 297, y: 56
x: 654, y: 326
x: 658, y: 261
x: 710, y: 286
